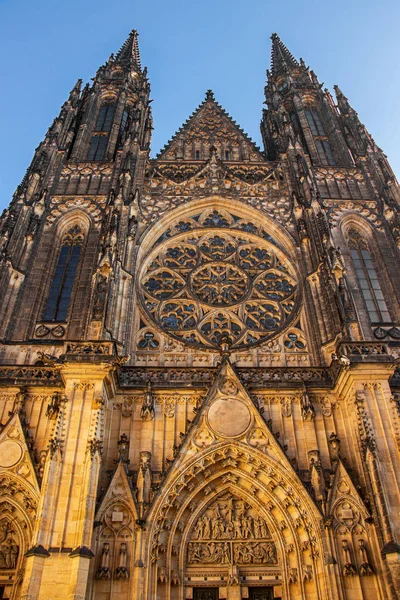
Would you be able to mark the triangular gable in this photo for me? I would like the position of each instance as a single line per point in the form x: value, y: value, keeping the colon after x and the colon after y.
x: 344, y: 496
x: 118, y: 495
x: 210, y: 126
x: 228, y: 413
x: 15, y: 457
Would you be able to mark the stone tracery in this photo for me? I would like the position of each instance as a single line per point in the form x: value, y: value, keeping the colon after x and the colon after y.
x: 201, y: 286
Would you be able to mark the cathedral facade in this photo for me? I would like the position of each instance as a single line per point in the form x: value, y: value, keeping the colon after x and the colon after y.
x: 198, y: 387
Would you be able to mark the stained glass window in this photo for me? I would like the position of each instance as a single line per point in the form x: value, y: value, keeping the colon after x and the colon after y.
x: 99, y: 141
x: 206, y: 286
x: 64, y: 277
x: 324, y: 149
x: 368, y: 280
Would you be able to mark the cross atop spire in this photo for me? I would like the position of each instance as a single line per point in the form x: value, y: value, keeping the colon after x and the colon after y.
x: 281, y: 59
x: 130, y: 50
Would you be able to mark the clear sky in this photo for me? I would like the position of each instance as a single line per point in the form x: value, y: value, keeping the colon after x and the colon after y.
x: 188, y: 47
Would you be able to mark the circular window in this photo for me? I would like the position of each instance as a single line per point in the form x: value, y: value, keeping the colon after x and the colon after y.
x: 206, y: 287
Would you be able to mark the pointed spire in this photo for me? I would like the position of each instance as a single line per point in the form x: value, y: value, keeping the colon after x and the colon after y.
x: 342, y: 101
x: 130, y: 50
x: 281, y: 59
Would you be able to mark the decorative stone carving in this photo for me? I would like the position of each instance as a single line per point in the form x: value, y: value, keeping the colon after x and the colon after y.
x: 121, y: 572
x: 258, y: 438
x: 144, y: 478
x: 230, y: 530
x: 255, y: 553
x: 123, y: 449
x: 365, y: 567
x: 147, y: 411
x: 9, y: 548
x: 202, y: 286
x: 103, y: 572
x: 307, y: 409
x: 307, y: 573
x: 293, y: 575
x: 53, y: 408
x: 348, y: 567
x: 229, y: 417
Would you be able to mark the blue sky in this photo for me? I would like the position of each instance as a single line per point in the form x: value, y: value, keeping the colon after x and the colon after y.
x: 188, y: 47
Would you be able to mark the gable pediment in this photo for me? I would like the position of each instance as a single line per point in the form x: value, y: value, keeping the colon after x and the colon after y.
x: 210, y: 127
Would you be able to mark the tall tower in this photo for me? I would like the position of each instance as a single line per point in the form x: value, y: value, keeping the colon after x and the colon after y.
x: 198, y: 387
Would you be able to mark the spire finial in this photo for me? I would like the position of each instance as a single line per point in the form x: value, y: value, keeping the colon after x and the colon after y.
x: 281, y: 59
x: 130, y: 50
x: 210, y: 95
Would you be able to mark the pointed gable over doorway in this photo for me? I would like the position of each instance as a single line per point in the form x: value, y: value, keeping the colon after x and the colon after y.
x: 210, y: 126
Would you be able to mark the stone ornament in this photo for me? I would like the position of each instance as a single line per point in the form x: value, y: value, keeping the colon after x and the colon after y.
x: 231, y: 532
x: 229, y: 417
x: 207, y: 285
x: 9, y: 548
x: 10, y: 453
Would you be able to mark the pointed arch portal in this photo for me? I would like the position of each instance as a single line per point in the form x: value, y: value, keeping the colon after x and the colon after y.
x: 233, y: 511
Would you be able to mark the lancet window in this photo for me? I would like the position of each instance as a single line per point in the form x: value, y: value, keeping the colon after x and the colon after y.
x: 368, y: 279
x: 64, y: 276
x: 99, y: 141
x: 322, y: 144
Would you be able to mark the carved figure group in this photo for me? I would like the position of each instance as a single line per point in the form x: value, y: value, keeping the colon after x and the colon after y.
x: 9, y: 551
x: 230, y: 520
x: 259, y: 553
x: 244, y: 553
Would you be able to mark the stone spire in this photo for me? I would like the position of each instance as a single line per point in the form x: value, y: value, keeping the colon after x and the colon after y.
x: 282, y: 60
x: 129, y: 51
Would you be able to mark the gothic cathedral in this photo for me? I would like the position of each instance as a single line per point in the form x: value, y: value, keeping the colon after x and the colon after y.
x: 198, y: 387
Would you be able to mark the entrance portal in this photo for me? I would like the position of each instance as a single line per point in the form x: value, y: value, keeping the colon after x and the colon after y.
x: 205, y: 594
x: 261, y: 593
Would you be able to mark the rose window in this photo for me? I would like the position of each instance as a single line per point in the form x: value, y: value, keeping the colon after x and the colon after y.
x: 205, y: 287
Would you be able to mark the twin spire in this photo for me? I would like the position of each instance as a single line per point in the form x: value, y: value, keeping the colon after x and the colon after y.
x: 281, y: 58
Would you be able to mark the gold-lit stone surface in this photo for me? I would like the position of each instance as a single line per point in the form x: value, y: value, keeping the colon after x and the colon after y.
x: 10, y: 453
x: 229, y: 417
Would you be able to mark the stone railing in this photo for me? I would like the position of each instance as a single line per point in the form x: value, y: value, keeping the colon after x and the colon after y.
x: 35, y: 375
x: 367, y: 352
x: 137, y: 377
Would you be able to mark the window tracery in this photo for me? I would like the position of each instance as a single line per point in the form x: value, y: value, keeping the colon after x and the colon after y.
x: 64, y: 276
x: 203, y: 286
x: 368, y: 279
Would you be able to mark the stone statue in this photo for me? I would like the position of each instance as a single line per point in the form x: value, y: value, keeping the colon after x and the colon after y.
x: 103, y: 572
x: 121, y: 571
x: 100, y: 295
x: 147, y: 412
x: 365, y: 567
x: 144, y: 478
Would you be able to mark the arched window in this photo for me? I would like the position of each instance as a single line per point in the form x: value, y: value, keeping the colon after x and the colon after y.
x: 314, y: 122
x: 99, y: 141
x: 322, y: 144
x: 368, y: 279
x: 64, y: 276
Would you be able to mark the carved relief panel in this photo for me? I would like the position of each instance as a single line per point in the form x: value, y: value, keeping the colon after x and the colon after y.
x: 230, y: 531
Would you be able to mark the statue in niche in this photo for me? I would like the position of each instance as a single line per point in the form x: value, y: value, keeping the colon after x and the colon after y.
x: 307, y: 409
x: 365, y: 567
x: 9, y: 549
x: 103, y: 572
x: 147, y: 411
x: 144, y: 478
x: 348, y: 567
x: 121, y: 571
x: 123, y: 449
x: 100, y: 296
